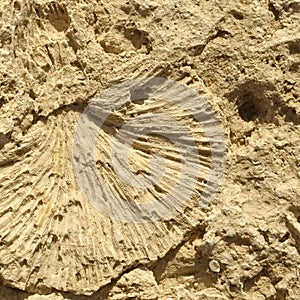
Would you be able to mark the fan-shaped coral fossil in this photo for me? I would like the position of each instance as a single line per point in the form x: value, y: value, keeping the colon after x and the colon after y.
x: 51, y: 234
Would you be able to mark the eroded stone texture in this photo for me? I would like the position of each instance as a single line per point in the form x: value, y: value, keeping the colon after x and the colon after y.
x: 243, y: 57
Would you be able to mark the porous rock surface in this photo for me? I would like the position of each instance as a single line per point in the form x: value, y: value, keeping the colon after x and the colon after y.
x: 243, y: 57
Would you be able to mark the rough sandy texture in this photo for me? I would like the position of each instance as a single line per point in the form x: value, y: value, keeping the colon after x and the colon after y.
x: 242, y: 56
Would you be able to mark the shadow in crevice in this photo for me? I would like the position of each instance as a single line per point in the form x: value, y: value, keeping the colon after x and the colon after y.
x: 8, y: 293
x: 173, y: 264
x: 261, y: 102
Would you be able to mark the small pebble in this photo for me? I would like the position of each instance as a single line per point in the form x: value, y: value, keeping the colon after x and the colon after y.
x: 257, y: 296
x: 245, y: 266
x: 214, y: 266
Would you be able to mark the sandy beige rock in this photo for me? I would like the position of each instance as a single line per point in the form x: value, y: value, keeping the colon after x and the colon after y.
x: 243, y: 57
x: 45, y: 297
x: 137, y: 284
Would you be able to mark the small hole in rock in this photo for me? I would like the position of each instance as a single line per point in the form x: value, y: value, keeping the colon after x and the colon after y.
x: 284, y: 238
x: 255, y: 101
x: 17, y: 5
x: 294, y: 47
x: 237, y: 15
x: 248, y: 107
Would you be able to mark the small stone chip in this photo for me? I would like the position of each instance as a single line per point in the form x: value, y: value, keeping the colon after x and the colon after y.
x: 214, y: 266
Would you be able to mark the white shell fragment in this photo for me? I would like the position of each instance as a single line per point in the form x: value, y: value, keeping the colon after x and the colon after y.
x: 214, y: 266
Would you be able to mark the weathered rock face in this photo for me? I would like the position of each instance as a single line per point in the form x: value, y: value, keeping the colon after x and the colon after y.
x: 242, y: 57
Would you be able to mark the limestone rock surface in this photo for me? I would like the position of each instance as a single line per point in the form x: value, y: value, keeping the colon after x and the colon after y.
x: 242, y: 57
